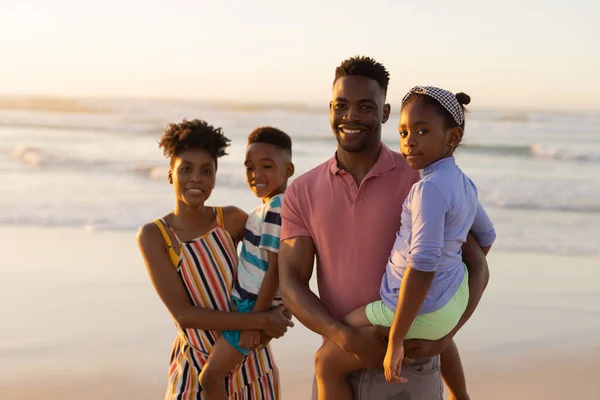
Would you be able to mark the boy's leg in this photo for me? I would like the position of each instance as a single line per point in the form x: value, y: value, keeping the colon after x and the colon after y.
x: 221, y: 360
x: 453, y: 374
x: 332, y: 366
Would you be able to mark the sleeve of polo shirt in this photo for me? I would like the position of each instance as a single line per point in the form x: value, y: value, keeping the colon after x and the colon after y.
x: 292, y: 221
x: 483, y: 228
x: 428, y: 210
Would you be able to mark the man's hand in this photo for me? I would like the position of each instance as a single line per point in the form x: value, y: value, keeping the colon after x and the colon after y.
x: 419, y: 348
x: 368, y: 344
x: 250, y: 339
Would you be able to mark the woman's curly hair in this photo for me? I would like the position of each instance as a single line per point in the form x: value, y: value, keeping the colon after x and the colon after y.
x: 194, y: 134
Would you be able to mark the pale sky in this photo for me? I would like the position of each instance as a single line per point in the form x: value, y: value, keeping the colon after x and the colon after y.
x: 514, y: 53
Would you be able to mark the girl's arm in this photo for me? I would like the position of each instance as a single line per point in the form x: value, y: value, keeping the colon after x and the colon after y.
x: 170, y: 289
x: 428, y: 211
x: 483, y: 229
x: 413, y: 290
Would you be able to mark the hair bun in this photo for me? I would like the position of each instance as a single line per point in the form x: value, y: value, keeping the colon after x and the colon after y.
x: 463, y: 98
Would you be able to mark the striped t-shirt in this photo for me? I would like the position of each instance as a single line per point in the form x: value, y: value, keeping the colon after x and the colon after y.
x: 263, y: 229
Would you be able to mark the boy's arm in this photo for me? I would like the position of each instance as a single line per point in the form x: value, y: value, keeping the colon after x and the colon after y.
x: 269, y: 242
x: 266, y: 294
x: 269, y: 286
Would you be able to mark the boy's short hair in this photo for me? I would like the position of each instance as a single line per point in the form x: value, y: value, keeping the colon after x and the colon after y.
x: 273, y: 136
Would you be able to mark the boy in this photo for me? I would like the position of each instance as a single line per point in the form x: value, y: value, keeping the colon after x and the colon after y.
x: 268, y: 168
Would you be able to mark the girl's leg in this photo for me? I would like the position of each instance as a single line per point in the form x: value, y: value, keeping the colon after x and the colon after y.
x: 222, y: 359
x: 332, y: 364
x: 357, y: 318
x: 453, y: 374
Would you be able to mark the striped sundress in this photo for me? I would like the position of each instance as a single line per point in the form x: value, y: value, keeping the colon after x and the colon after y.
x: 207, y: 267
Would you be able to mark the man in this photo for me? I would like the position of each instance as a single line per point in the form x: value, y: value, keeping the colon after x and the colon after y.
x: 346, y: 213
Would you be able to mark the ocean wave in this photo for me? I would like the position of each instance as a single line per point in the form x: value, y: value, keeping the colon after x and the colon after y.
x: 36, y: 157
x: 256, y: 107
x: 102, y: 127
x: 534, y: 151
x: 41, y: 159
x: 507, y: 116
x: 50, y: 104
x: 530, y: 206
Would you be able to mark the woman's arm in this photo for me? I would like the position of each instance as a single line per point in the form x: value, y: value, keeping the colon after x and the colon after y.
x: 234, y: 221
x: 170, y: 289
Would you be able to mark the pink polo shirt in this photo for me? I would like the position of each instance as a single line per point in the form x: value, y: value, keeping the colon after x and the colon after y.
x: 353, y: 228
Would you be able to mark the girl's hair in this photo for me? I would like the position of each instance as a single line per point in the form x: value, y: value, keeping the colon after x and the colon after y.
x: 194, y: 134
x: 449, y: 122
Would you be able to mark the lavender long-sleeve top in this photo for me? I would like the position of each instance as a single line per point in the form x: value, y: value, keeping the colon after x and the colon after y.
x: 437, y: 215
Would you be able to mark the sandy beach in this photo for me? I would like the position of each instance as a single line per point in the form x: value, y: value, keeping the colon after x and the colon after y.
x: 80, y: 320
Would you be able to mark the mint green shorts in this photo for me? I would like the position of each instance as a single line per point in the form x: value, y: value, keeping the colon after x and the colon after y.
x: 432, y: 326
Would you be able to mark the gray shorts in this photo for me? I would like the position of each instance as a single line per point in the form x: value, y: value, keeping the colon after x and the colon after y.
x: 424, y: 383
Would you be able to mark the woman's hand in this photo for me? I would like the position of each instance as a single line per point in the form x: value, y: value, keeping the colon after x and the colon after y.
x: 264, y: 338
x: 392, y: 363
x: 276, y: 322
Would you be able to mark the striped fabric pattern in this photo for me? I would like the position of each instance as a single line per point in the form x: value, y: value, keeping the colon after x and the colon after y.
x: 263, y: 229
x: 207, y: 268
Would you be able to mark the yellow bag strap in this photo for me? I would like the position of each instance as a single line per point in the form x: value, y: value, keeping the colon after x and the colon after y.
x: 166, y: 236
x: 219, y: 211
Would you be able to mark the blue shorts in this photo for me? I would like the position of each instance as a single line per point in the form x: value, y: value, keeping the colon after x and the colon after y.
x: 233, y: 337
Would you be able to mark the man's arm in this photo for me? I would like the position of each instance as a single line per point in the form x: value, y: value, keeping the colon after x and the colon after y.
x: 479, y: 275
x: 296, y: 257
x: 296, y: 264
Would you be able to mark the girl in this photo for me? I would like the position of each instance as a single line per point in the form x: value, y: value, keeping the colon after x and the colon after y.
x: 190, y: 255
x: 424, y: 291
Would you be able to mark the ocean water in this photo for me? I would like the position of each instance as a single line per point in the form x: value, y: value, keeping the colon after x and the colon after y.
x: 96, y: 163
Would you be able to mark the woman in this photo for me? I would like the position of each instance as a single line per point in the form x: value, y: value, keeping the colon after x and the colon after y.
x: 190, y: 255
